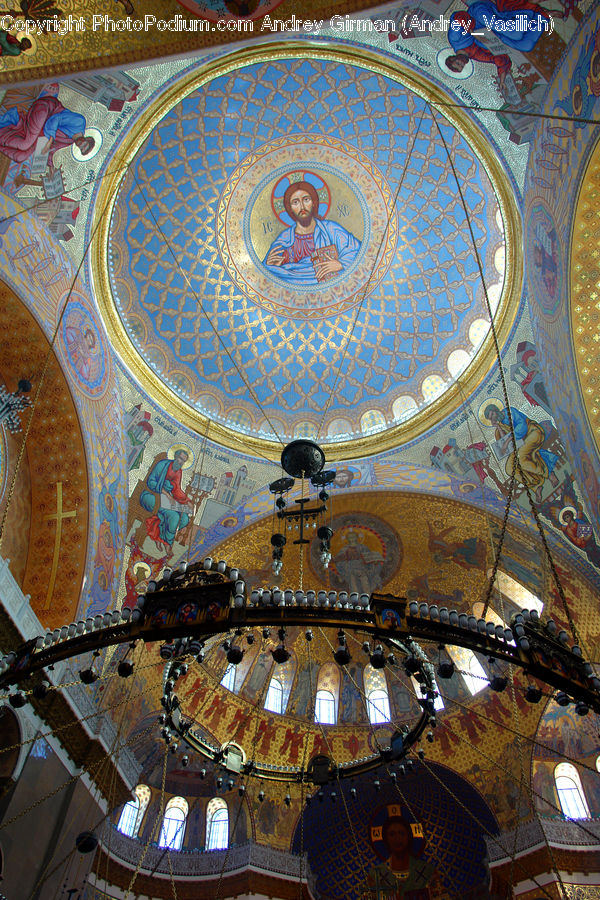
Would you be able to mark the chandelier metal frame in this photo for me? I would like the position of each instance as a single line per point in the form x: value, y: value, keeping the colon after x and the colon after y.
x: 208, y: 599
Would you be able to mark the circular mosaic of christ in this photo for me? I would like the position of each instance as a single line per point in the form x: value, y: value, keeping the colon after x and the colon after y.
x: 289, y: 253
x: 315, y: 214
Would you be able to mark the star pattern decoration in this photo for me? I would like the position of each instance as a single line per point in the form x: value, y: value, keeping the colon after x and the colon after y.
x: 211, y: 338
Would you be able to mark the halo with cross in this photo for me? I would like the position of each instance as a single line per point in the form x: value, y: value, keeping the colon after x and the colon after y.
x: 282, y: 184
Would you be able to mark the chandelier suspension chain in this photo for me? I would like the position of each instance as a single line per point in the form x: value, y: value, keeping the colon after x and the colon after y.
x: 153, y: 832
x: 256, y: 707
x: 93, y: 770
x: 208, y: 319
x: 486, y: 512
x: 480, y: 824
x: 104, y: 676
x: 45, y: 875
x: 363, y: 696
x: 128, y: 693
x: 365, y: 289
x: 476, y: 108
x: 498, y: 553
x: 499, y: 765
x: 532, y: 505
x: 326, y: 741
x: 66, y: 726
x: 379, y: 747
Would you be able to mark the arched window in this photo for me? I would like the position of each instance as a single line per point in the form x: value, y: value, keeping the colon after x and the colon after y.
x: 470, y: 668
x: 274, y: 699
x: 327, y: 694
x: 129, y: 817
x: 228, y: 679
x: 133, y: 811
x: 173, y: 824
x: 378, y: 706
x: 515, y: 592
x: 217, y: 825
x: 570, y: 792
x: 377, y: 695
x: 325, y: 708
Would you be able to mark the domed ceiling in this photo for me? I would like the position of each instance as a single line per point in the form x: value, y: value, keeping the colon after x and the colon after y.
x: 340, y: 321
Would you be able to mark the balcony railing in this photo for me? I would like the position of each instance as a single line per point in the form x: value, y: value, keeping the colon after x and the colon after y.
x: 202, y: 864
x: 558, y: 832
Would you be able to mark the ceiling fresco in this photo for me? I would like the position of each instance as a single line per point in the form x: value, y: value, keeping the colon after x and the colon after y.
x: 433, y: 802
x: 420, y: 547
x: 75, y: 439
x: 585, y: 310
x: 46, y: 529
x: 200, y: 334
x: 364, y: 328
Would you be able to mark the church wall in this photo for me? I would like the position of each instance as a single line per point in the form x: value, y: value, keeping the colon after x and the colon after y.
x: 42, y: 836
x: 198, y: 793
x: 43, y: 276
x: 47, y: 508
x: 15, y: 544
x: 558, y: 157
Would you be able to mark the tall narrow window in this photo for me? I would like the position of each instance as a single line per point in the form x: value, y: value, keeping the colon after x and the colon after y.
x: 133, y: 811
x: 470, y: 668
x: 570, y: 792
x: 377, y: 695
x: 228, y: 679
x: 217, y: 825
x: 379, y: 707
x: 438, y: 703
x: 173, y: 824
x: 516, y: 592
x: 327, y: 695
x: 325, y: 708
x: 128, y: 818
x: 274, y: 699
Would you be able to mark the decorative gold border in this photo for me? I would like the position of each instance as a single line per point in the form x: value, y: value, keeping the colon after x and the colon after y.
x: 583, y: 297
x: 363, y: 446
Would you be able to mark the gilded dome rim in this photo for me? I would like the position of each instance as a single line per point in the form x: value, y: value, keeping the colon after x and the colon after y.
x: 365, y: 445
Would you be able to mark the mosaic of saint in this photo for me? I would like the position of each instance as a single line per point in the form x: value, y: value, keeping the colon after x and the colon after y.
x: 366, y: 553
x: 314, y: 212
x: 84, y: 349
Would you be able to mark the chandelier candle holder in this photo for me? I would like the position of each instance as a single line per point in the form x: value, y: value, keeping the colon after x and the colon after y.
x: 302, y: 459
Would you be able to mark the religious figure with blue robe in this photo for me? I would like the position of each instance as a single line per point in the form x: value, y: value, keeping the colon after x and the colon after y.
x: 45, y: 117
x: 312, y: 250
x: 165, y: 499
x: 518, y: 23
